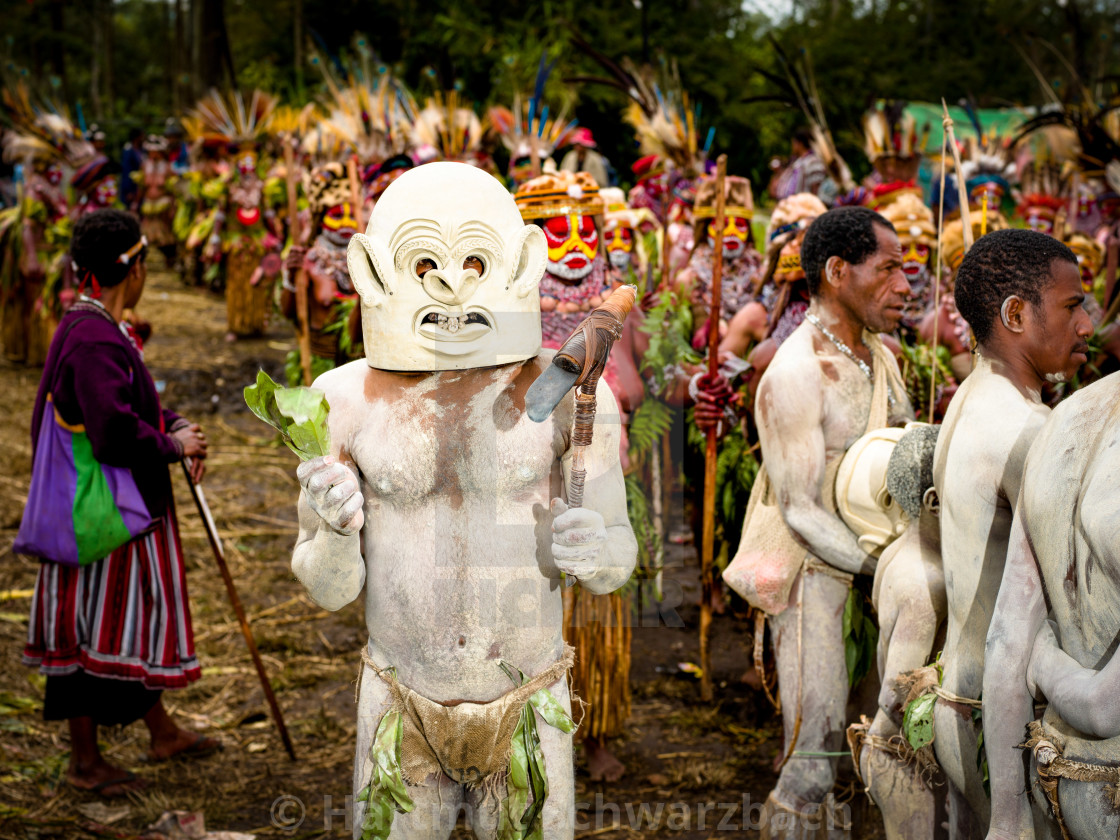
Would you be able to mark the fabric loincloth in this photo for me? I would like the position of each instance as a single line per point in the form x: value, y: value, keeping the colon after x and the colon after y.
x: 470, y: 742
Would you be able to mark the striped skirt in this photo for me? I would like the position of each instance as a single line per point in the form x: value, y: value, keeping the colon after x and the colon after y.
x: 125, y: 617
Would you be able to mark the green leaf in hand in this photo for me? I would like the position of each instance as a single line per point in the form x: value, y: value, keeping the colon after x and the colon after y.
x: 298, y: 414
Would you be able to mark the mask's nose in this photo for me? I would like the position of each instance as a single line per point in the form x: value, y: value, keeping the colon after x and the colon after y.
x: 451, y: 287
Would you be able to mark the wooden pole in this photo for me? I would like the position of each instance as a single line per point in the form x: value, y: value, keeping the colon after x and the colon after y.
x: 235, y: 601
x: 937, y: 279
x: 355, y: 186
x: 709, y: 534
x: 301, y: 275
x: 962, y: 194
x: 666, y: 255
x: 962, y: 188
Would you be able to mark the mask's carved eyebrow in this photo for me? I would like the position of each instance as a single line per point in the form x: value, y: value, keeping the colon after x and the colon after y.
x: 414, y: 229
x: 476, y: 228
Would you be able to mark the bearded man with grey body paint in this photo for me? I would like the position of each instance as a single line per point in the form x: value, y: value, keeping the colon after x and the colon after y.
x: 1020, y: 292
x: 441, y: 498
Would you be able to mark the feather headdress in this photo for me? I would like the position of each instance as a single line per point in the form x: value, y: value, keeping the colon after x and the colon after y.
x: 665, y: 119
x: 226, y: 116
x: 40, y: 131
x: 797, y: 87
x: 368, y: 109
x: 448, y: 126
x: 890, y: 132
x: 527, y: 129
x: 1093, y: 114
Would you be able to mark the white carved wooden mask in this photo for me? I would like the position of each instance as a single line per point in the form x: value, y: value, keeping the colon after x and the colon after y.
x: 447, y: 272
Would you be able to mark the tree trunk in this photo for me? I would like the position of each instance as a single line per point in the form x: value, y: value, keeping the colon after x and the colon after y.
x: 178, y: 95
x: 215, y: 57
x: 297, y: 35
x: 95, y: 68
x: 58, y: 54
x: 107, y: 24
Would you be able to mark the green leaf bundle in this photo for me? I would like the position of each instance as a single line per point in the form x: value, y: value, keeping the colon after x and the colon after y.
x: 298, y: 414
x: 861, y: 637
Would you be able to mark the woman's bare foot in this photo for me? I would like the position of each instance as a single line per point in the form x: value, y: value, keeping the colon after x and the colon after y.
x: 104, y: 779
x: 169, y: 740
x: 601, y: 763
x: 182, y: 743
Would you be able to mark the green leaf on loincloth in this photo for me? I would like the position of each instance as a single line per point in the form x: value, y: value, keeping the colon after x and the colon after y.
x: 385, y: 794
x: 917, y: 720
x: 551, y: 710
x: 527, y: 784
x: 510, y: 825
x: 298, y: 414
x: 861, y: 637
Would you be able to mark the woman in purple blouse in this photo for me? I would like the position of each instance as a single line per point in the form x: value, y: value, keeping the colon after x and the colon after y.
x: 111, y: 636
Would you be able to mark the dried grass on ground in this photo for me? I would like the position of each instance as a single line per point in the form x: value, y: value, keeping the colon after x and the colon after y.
x: 675, y: 750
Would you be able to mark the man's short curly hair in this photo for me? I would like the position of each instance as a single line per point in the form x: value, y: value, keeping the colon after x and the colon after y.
x: 1001, y: 264
x: 99, y: 239
x: 845, y: 232
x: 910, y: 468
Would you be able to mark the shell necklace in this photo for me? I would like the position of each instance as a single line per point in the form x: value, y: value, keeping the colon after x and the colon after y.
x: 847, y: 351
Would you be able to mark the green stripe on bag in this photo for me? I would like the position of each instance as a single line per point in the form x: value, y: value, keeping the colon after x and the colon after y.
x: 97, y: 530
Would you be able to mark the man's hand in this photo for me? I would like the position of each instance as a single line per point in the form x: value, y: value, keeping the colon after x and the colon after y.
x: 294, y: 261
x: 1044, y: 642
x: 332, y: 491
x: 713, y: 396
x: 578, y: 535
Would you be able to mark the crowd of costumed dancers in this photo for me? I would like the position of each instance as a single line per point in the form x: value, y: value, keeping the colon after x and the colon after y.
x: 257, y: 200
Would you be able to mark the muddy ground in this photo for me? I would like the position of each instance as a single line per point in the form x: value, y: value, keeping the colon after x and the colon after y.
x: 690, y: 765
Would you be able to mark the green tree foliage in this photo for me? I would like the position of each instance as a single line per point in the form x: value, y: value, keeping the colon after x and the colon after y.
x: 861, y: 50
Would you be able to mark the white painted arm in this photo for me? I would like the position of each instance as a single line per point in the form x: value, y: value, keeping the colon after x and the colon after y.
x: 788, y: 409
x: 328, y: 563
x: 327, y: 558
x: 596, y: 542
x: 1087, y: 699
x: 1019, y: 612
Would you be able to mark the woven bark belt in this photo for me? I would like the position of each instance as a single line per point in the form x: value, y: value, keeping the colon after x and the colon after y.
x: 1047, y: 746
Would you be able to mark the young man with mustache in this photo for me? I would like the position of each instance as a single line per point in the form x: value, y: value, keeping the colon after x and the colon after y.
x: 1020, y: 291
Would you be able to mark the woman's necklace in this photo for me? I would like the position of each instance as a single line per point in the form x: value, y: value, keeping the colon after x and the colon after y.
x: 98, y: 305
x: 120, y: 324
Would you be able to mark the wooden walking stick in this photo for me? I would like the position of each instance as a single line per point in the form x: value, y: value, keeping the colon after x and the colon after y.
x: 579, y: 363
x: 707, y: 546
x: 355, y: 186
x: 301, y: 275
x: 235, y: 601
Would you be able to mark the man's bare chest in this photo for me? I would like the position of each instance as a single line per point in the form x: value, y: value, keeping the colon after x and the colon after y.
x: 482, y: 449
x: 846, y: 404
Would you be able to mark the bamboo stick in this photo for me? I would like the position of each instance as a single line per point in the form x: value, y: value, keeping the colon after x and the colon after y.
x: 710, y: 454
x: 301, y: 281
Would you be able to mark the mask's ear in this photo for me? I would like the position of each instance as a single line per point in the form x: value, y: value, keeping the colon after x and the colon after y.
x: 368, y: 263
x: 531, y: 257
